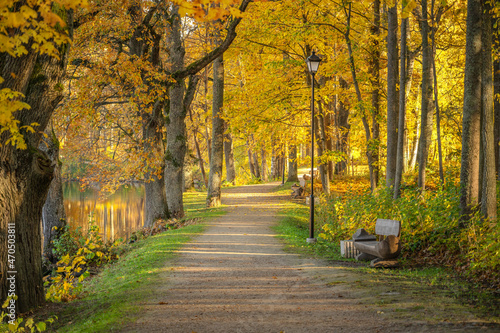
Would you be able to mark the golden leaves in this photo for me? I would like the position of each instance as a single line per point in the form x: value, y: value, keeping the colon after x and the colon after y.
x: 207, y: 11
x: 43, y: 29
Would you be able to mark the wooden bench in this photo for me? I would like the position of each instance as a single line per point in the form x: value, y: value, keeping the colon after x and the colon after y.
x: 297, y: 191
x: 388, y: 245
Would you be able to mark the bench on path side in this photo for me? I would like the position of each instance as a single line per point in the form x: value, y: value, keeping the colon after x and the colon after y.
x: 297, y: 191
x: 383, y: 251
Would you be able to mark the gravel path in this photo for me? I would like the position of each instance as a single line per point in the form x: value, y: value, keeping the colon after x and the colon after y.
x: 236, y: 278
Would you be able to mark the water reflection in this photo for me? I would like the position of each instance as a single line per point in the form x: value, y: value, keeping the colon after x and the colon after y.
x: 117, y: 215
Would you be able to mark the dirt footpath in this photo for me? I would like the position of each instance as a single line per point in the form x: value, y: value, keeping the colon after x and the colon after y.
x: 236, y: 278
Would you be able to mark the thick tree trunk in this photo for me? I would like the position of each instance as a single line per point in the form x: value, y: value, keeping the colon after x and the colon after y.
x: 155, y: 206
x: 426, y: 102
x: 53, y: 214
x: 176, y: 127
x: 392, y: 94
x: 489, y: 193
x: 469, y: 173
x: 25, y: 175
x: 229, y: 157
x: 292, y: 164
x: 215, y: 175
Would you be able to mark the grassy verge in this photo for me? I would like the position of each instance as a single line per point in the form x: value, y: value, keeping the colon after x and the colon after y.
x: 293, y: 229
x: 110, y: 300
x: 412, y: 292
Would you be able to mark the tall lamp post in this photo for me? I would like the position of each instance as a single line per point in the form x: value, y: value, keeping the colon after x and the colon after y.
x: 312, y: 64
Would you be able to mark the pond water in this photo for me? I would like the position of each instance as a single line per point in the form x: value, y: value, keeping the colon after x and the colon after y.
x: 117, y: 215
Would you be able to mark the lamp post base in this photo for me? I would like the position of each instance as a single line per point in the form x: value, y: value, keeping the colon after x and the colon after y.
x: 311, y: 240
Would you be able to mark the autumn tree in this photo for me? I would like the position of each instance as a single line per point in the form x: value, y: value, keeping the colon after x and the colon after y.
x: 32, y: 66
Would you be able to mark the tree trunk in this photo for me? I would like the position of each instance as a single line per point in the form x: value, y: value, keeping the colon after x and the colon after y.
x: 292, y: 164
x: 496, y: 103
x: 205, y: 107
x: 274, y: 161
x: 215, y: 175
x: 329, y: 140
x: 469, y: 173
x: 198, y: 151
x: 489, y: 193
x: 229, y: 157
x: 436, y: 95
x: 426, y: 102
x: 26, y: 174
x: 176, y: 126
x: 250, y: 158
x: 264, y: 165
x: 53, y: 214
x: 392, y: 93
x: 321, y: 145
x: 369, y: 142
x: 375, y: 85
x: 343, y: 129
x: 402, y: 110
x: 155, y: 206
x: 256, y: 165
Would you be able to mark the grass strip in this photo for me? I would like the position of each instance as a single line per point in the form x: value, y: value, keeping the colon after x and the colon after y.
x: 111, y: 299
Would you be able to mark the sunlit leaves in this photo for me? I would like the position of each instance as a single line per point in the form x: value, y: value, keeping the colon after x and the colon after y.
x: 209, y: 10
x: 28, y: 26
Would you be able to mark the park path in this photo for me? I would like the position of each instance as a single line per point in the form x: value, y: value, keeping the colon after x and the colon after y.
x: 235, y: 277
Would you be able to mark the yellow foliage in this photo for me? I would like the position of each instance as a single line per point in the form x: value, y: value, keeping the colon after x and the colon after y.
x: 35, y: 21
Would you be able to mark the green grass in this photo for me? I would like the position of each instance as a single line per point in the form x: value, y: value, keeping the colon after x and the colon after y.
x: 194, y: 206
x: 293, y: 229
x: 111, y: 299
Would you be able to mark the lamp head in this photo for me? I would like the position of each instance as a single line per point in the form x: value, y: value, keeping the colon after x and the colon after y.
x: 313, y: 63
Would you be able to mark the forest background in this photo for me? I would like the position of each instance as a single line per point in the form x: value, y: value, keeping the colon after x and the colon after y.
x: 167, y: 93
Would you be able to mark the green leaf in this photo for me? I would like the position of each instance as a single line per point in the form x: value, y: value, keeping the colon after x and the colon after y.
x: 41, y: 326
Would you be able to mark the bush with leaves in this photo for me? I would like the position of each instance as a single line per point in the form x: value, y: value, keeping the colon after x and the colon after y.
x: 430, y: 230
x: 21, y: 324
x: 79, y: 252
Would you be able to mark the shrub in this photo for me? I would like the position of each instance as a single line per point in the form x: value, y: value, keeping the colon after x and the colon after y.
x: 78, y: 252
x: 430, y: 228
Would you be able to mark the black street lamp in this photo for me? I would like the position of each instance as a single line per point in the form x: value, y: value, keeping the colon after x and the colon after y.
x: 312, y: 64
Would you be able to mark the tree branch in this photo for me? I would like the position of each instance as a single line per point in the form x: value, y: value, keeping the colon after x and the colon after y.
x: 199, y: 64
